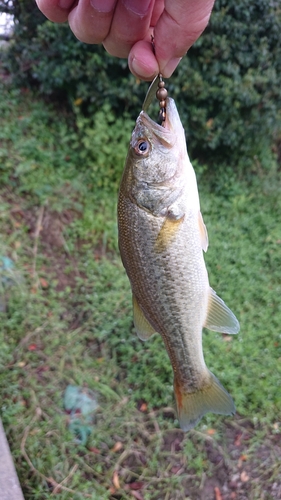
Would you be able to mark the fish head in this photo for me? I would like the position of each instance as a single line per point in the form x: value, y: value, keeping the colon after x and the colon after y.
x: 156, y: 161
x: 157, y: 149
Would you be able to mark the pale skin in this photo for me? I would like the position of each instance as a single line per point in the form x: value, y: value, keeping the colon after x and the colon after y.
x: 125, y: 27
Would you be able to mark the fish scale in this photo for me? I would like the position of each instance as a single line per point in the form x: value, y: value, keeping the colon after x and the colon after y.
x: 161, y: 239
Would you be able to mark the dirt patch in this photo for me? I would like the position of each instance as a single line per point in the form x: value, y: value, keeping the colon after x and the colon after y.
x: 234, y: 469
x: 46, y: 230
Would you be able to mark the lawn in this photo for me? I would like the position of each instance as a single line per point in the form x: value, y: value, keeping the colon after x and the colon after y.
x: 66, y: 320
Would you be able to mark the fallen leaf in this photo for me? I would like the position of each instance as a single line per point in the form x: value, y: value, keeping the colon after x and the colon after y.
x: 115, y: 480
x: 136, y: 485
x: 143, y: 407
x: 21, y: 364
x: 242, y: 459
x: 94, y: 450
x: 117, y: 447
x: 44, y: 283
x: 217, y: 493
x: 237, y: 441
x: 32, y: 347
x: 244, y: 476
x: 137, y: 495
x: 227, y: 338
x: 33, y: 432
x: 176, y: 468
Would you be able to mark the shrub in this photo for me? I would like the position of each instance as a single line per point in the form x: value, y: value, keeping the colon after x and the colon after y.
x: 227, y: 88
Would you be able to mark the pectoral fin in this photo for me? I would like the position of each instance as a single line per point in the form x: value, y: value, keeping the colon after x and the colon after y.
x: 219, y: 317
x: 168, y: 231
x: 203, y: 232
x: 143, y: 327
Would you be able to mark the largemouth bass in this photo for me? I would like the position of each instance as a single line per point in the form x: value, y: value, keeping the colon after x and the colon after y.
x: 161, y: 239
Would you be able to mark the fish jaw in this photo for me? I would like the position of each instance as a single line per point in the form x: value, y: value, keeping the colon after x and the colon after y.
x: 172, y: 130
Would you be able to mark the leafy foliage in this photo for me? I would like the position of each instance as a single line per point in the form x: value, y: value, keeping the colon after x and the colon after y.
x: 230, y: 86
x: 67, y: 319
x: 227, y: 88
x: 48, y: 151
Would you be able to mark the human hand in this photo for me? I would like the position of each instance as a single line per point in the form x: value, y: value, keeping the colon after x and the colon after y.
x: 125, y: 27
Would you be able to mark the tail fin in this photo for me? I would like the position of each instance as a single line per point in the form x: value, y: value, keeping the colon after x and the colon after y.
x: 212, y: 397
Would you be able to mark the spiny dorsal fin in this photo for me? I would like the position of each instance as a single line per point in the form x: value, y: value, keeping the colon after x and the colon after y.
x: 143, y: 327
x: 203, y: 232
x: 219, y: 317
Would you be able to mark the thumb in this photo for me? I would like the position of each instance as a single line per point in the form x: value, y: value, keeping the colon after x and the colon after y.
x: 179, y: 26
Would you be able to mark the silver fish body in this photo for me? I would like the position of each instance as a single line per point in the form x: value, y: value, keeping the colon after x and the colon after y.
x: 161, y: 238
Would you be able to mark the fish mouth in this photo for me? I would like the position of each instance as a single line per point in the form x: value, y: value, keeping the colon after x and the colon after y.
x: 170, y: 129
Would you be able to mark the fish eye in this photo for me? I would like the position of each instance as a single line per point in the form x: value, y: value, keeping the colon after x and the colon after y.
x: 142, y: 147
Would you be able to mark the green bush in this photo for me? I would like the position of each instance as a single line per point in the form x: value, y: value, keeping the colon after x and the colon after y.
x: 62, y: 67
x: 227, y: 88
x: 39, y: 154
x: 100, y: 144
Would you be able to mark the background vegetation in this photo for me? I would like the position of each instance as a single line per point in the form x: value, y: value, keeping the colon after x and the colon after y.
x: 227, y: 88
x: 65, y: 302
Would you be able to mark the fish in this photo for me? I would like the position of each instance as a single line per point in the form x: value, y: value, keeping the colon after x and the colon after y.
x: 162, y: 237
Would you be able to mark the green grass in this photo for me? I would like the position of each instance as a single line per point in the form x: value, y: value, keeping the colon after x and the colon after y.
x: 67, y: 320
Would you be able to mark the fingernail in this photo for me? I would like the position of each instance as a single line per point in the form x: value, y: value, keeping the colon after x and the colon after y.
x: 103, y: 5
x: 139, y: 69
x: 139, y: 7
x: 65, y: 4
x: 170, y: 67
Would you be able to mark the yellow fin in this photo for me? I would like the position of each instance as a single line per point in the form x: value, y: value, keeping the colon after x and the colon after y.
x: 219, y: 317
x: 203, y: 232
x: 167, y: 233
x: 143, y: 327
x: 191, y: 406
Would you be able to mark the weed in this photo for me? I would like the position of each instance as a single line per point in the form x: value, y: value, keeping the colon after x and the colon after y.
x: 68, y: 320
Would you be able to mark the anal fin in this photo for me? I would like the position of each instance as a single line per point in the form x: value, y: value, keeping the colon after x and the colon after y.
x: 143, y: 327
x: 219, y: 317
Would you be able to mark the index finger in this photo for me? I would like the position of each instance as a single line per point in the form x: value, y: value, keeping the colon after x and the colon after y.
x: 55, y: 10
